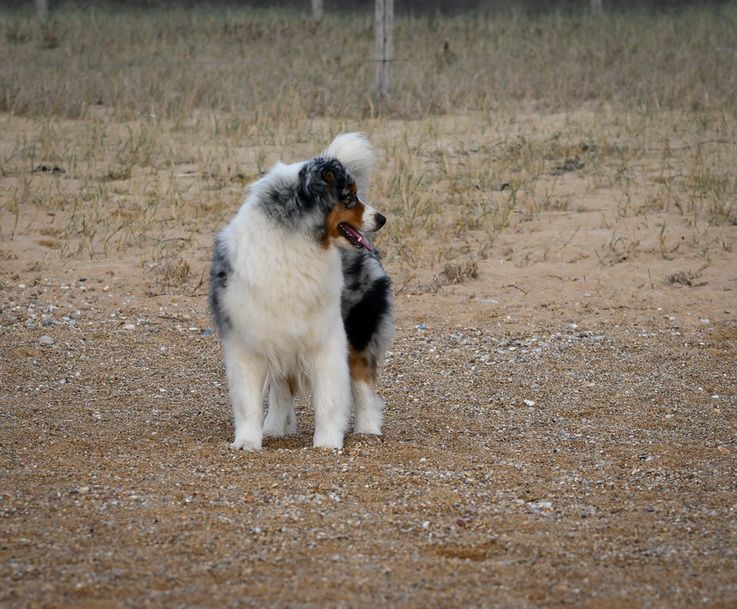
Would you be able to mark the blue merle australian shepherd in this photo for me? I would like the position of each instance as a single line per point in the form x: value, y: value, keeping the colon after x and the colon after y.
x: 301, y: 300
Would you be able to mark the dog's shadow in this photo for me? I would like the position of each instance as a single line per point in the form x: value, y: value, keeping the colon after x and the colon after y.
x: 302, y: 440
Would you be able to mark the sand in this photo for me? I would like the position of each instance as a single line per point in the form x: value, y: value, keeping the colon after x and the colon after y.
x: 561, y: 425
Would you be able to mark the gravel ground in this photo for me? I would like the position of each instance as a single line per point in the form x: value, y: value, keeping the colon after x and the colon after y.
x: 523, y: 465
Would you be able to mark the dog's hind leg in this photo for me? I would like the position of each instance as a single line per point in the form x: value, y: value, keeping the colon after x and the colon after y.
x: 331, y: 394
x: 280, y: 418
x: 369, y: 407
x: 246, y: 374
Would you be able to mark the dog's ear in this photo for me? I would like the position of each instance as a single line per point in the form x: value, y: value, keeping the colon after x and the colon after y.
x: 322, y: 178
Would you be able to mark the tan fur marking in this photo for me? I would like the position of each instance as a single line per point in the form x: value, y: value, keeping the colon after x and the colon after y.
x: 340, y: 213
x: 361, y: 367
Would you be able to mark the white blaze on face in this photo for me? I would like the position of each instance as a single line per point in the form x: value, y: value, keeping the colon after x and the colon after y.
x: 372, y: 219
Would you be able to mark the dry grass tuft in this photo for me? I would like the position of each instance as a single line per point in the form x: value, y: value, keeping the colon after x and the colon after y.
x: 170, y: 269
x: 687, y: 278
x: 455, y: 273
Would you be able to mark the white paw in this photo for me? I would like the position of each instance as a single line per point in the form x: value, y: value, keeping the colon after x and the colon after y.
x: 246, y: 444
x: 368, y: 427
x: 327, y: 440
x: 274, y: 429
x: 278, y: 429
x: 369, y: 411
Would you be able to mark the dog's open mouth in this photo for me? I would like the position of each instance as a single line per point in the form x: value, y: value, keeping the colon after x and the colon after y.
x: 355, y: 237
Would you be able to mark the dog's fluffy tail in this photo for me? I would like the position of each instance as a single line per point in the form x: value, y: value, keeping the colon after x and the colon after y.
x: 356, y: 153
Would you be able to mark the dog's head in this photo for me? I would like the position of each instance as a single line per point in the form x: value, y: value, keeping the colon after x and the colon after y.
x: 328, y: 185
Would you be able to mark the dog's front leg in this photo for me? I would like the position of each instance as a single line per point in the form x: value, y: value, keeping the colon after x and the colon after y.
x: 331, y: 394
x: 246, y: 374
x: 280, y: 417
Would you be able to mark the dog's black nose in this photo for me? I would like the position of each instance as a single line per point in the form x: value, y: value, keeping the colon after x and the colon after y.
x: 380, y: 221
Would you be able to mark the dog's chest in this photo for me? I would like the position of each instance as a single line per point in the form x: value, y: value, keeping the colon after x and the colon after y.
x: 285, y: 296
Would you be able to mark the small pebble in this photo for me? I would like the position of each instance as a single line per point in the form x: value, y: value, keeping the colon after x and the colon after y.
x: 129, y: 327
x: 46, y: 340
x: 529, y: 402
x: 540, y: 506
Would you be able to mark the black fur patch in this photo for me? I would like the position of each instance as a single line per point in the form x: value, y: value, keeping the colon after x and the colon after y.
x: 280, y: 205
x: 322, y: 182
x: 352, y: 268
x: 364, y: 317
x: 220, y: 272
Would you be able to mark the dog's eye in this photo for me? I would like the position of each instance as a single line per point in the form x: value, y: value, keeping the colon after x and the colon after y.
x: 350, y: 200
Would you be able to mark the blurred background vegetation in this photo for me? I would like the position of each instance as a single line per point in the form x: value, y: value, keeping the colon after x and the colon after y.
x: 401, y: 6
x: 263, y: 63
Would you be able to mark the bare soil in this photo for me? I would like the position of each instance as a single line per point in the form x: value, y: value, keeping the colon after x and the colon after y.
x: 561, y: 431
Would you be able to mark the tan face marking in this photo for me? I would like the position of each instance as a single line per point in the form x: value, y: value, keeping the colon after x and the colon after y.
x: 340, y: 213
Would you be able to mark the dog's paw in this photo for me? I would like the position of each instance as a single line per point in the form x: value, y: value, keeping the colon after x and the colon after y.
x: 327, y: 440
x: 246, y: 444
x: 367, y: 427
x: 277, y: 429
x: 274, y: 431
x: 368, y: 420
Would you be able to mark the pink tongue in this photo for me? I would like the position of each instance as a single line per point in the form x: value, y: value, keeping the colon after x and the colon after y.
x: 358, y: 237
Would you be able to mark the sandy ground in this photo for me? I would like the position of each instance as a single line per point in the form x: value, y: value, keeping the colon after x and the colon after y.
x: 560, y: 432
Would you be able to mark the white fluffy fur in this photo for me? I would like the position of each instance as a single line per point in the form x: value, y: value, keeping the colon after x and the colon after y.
x: 283, y: 301
x: 357, y: 154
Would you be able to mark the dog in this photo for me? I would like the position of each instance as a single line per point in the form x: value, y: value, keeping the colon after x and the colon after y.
x: 301, y: 300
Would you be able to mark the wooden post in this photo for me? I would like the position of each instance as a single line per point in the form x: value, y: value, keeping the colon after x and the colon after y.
x: 317, y: 10
x: 597, y: 7
x: 42, y: 9
x: 384, y: 30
